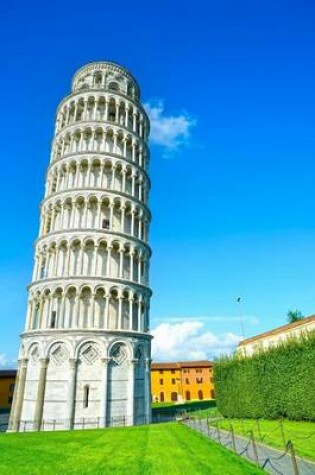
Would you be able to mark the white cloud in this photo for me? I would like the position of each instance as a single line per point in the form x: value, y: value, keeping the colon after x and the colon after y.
x: 3, y: 360
x: 168, y: 131
x: 190, y: 341
x: 250, y: 319
x: 6, y: 362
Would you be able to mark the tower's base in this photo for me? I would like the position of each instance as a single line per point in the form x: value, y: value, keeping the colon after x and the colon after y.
x: 82, y: 380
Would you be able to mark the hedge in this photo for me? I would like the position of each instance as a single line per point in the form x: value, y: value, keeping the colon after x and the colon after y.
x: 279, y: 382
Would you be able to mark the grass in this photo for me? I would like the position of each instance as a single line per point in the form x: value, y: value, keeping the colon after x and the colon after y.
x: 163, y: 404
x: 301, y: 433
x: 161, y: 449
x: 189, y: 406
x: 205, y: 413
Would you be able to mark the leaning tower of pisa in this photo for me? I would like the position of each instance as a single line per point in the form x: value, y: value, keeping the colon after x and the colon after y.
x: 85, y: 353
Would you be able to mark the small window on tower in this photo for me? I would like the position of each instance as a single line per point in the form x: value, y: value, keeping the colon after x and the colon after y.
x: 53, y: 319
x: 105, y: 224
x: 86, y: 396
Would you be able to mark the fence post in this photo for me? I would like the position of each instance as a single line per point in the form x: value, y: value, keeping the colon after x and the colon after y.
x: 293, y: 458
x: 254, y: 448
x: 219, y: 434
x: 282, y: 432
x: 233, y: 439
x: 259, y: 430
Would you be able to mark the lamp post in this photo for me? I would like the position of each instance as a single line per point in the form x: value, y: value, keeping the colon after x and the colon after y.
x: 241, y: 316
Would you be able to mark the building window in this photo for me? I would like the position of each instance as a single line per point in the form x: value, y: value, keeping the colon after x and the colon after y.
x: 173, y: 397
x: 187, y: 380
x: 187, y: 395
x: 199, y: 380
x: 10, y: 399
x: 211, y: 380
x: 212, y: 395
x: 86, y: 395
x: 200, y: 395
x: 173, y: 371
x: 53, y: 319
x: 161, y: 397
x: 173, y: 381
x: 105, y: 224
x: 198, y: 370
x: 185, y: 370
x: 161, y: 371
x: 11, y: 388
x: 161, y: 382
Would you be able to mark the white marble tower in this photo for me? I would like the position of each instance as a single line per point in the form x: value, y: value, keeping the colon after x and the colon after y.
x: 85, y: 353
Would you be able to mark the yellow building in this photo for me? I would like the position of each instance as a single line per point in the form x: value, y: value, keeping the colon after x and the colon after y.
x: 182, y: 381
x: 7, y: 381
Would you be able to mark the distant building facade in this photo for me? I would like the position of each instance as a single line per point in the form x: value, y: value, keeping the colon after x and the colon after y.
x: 7, y: 382
x: 182, y: 381
x: 275, y: 337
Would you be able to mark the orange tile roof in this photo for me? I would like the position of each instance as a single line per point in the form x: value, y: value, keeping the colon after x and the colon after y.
x: 276, y: 331
x: 182, y: 364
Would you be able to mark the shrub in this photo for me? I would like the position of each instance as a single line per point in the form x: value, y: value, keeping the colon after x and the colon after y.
x: 279, y: 382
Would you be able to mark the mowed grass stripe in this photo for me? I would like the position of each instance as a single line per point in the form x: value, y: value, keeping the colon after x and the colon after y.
x: 156, y: 450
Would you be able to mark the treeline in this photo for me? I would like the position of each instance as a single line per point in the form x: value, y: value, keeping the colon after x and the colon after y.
x: 276, y: 383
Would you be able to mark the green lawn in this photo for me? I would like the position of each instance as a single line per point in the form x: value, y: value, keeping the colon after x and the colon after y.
x: 190, y: 406
x: 302, y: 434
x: 161, y: 449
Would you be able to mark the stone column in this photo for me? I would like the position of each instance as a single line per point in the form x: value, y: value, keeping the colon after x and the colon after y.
x: 123, y: 211
x: 38, y: 415
x: 130, y: 312
x: 109, y: 256
x: 111, y: 215
x: 147, y: 390
x: 131, y: 393
x: 120, y: 299
x: 106, y: 311
x: 17, y: 405
x: 95, y: 260
x: 71, y: 392
x: 103, y: 411
x: 139, y: 269
x: 121, y: 262
x: 131, y: 264
x: 132, y: 222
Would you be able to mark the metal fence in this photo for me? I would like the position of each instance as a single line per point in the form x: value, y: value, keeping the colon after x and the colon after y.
x: 255, y: 447
x: 4, y: 420
x: 157, y: 416
x: 79, y: 424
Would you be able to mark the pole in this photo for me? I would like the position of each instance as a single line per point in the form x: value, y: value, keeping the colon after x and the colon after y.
x: 241, y: 316
x: 282, y: 432
x: 293, y: 458
x: 254, y: 448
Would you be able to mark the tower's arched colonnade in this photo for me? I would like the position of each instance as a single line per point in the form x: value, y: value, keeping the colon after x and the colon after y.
x: 85, y: 354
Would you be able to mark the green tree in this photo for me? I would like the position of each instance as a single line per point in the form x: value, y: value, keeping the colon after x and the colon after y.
x: 294, y: 316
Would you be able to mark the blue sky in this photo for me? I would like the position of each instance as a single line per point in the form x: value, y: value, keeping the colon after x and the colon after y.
x: 230, y: 87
